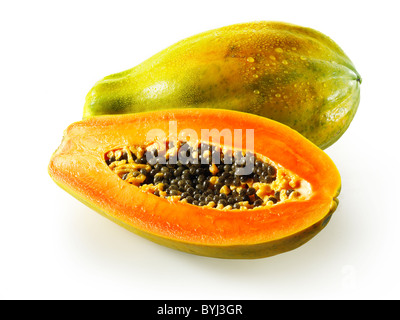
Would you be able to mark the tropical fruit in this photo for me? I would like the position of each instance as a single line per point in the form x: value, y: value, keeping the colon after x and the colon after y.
x: 210, y: 182
x: 291, y: 74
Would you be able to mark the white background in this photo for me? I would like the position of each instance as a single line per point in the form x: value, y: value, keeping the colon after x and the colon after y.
x: 53, y: 247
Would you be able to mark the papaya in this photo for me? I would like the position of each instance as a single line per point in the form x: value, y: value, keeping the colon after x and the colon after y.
x: 288, y: 73
x: 216, y: 183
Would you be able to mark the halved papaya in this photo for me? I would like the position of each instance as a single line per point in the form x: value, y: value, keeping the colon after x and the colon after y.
x: 210, y: 182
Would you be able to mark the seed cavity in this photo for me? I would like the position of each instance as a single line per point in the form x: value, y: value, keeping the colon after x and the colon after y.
x: 203, y: 174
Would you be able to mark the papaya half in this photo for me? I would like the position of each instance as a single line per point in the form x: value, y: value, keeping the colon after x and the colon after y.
x: 288, y: 73
x: 216, y: 183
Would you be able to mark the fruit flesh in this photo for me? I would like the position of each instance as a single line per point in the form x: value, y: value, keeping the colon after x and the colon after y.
x: 79, y: 167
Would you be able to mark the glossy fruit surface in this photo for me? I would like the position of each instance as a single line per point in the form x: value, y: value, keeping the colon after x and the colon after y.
x: 291, y: 74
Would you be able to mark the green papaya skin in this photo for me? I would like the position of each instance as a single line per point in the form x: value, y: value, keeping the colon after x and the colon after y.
x: 291, y: 74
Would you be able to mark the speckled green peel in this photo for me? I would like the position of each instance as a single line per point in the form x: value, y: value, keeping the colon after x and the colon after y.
x: 287, y: 73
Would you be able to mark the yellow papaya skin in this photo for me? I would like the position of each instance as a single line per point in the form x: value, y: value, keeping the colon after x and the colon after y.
x: 288, y: 73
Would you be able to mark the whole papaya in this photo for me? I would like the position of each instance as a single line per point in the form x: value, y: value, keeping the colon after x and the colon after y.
x: 288, y: 73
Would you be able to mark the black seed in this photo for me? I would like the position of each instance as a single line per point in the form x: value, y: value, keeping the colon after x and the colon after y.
x: 165, y: 185
x: 236, y: 206
x: 181, y: 183
x: 142, y: 160
x: 168, y: 175
x: 174, y: 192
x: 110, y: 160
x: 189, y: 199
x: 164, y: 169
x: 228, y: 181
x: 221, y: 181
x: 186, y: 174
x: 124, y: 156
x: 191, y: 190
x: 185, y: 195
x: 201, y: 178
x: 223, y: 202
x: 202, y: 203
x: 273, y: 199
x: 197, y: 196
x: 250, y: 191
x: 209, y: 199
x: 225, y: 175
x: 258, y: 203
x: 231, y: 200
x: 269, y: 179
x: 157, y: 193
x: 223, y: 196
x: 258, y: 163
x: 218, y: 186
x: 264, y: 174
x: 178, y: 171
x: 271, y: 170
x: 192, y: 170
x: 135, y: 173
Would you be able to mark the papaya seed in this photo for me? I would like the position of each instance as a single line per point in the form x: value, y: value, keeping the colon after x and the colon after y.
x: 207, y: 183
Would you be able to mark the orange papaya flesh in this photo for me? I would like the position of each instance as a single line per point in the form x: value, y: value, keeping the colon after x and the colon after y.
x: 83, y: 166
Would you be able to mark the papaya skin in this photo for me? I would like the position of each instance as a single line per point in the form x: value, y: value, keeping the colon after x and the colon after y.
x: 291, y: 74
x: 78, y: 166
